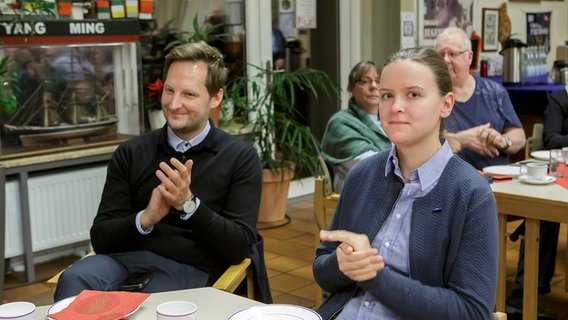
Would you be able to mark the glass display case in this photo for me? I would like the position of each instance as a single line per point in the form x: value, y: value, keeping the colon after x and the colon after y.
x: 71, y: 90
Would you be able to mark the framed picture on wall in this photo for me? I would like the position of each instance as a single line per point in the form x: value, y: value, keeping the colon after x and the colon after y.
x: 434, y: 16
x: 490, y: 29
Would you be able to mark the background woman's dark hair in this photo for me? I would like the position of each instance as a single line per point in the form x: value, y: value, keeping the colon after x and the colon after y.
x: 431, y: 59
x: 200, y: 51
x: 359, y: 70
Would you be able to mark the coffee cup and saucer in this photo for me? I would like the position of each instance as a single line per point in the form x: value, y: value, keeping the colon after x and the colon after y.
x: 536, y: 173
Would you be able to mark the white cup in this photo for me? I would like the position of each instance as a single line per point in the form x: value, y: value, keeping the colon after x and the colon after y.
x: 535, y: 171
x: 176, y: 310
x: 20, y: 310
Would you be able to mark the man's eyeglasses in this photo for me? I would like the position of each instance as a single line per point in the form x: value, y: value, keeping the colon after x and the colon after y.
x: 366, y: 82
x: 452, y: 54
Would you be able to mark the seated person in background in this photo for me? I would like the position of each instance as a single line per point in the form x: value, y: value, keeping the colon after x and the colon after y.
x: 174, y: 196
x: 555, y: 136
x: 355, y: 133
x: 278, y: 47
x: 414, y: 235
x: 483, y: 128
x: 555, y: 129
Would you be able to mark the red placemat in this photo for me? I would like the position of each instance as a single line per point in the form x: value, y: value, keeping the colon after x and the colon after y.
x: 562, y: 181
x: 496, y: 178
x: 107, y: 305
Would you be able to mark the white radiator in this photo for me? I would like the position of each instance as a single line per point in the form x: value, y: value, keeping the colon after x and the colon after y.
x: 62, y: 208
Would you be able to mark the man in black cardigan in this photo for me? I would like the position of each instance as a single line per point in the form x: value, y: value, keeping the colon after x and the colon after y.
x: 179, y: 203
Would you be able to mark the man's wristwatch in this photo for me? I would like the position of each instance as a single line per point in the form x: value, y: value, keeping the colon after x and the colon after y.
x: 190, y: 205
x: 508, y: 142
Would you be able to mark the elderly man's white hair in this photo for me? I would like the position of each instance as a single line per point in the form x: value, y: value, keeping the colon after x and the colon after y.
x: 452, y: 31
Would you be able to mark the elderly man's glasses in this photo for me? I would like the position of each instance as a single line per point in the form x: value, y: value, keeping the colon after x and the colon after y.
x: 452, y: 54
x: 366, y: 82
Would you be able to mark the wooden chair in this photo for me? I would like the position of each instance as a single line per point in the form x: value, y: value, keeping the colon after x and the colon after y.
x: 534, y: 142
x: 229, y: 280
x: 325, y: 201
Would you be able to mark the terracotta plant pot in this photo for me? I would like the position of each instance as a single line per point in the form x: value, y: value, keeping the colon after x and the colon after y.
x: 274, y: 197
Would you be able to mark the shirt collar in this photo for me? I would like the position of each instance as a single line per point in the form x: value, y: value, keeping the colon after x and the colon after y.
x: 181, y: 145
x: 429, y: 172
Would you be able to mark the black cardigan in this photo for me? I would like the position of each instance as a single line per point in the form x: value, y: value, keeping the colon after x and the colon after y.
x: 555, y: 134
x: 226, y: 177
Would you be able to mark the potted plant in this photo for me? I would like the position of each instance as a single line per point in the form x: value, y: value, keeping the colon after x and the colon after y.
x: 153, y: 104
x: 285, y: 143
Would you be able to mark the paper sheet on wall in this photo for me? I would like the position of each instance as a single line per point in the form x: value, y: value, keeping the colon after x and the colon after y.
x: 306, y: 14
x: 407, y: 29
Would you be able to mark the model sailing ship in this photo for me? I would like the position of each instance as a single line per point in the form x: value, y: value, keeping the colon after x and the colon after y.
x: 69, y: 104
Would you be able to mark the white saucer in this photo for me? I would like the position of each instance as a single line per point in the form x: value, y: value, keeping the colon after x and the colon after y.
x: 547, y: 180
x: 62, y: 304
x: 275, y: 312
x: 541, y: 155
x: 503, y: 170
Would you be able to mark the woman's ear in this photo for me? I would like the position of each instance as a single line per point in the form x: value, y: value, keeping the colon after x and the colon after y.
x: 447, y: 105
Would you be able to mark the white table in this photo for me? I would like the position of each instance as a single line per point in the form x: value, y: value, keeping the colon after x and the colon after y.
x: 211, y: 304
x: 534, y: 203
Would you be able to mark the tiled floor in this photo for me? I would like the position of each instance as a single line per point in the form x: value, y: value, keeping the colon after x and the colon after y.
x: 289, y: 253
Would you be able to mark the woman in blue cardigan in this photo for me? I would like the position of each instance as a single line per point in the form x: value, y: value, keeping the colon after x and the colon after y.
x: 414, y: 235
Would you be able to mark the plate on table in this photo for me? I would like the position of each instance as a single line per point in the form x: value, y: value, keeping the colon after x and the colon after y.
x: 541, y: 155
x: 276, y: 312
x: 504, y: 170
x: 62, y: 304
x: 547, y: 180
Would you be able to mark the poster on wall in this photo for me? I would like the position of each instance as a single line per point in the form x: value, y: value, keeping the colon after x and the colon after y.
x: 306, y: 14
x: 436, y: 15
x: 538, y: 30
x: 407, y: 23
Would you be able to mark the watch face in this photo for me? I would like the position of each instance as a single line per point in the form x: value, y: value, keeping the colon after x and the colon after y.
x: 189, y: 206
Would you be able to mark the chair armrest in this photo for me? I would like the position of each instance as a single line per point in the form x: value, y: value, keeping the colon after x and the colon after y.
x: 234, y: 275
x: 52, y: 282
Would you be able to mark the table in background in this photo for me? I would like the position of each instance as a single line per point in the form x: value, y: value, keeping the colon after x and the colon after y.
x: 211, y: 304
x: 534, y: 203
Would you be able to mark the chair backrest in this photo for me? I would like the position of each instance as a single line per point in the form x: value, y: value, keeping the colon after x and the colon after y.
x: 534, y: 142
x: 324, y: 207
x: 326, y: 175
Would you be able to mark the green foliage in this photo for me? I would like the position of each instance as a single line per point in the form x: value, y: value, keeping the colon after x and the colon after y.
x: 278, y: 129
x: 35, y: 10
x: 200, y: 33
x: 8, y: 102
x: 32, y: 12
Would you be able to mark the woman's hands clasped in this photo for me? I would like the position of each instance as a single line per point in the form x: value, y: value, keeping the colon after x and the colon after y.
x: 355, y: 256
